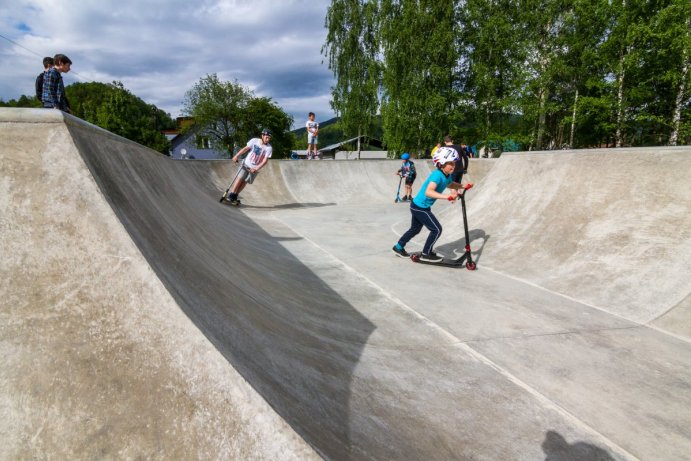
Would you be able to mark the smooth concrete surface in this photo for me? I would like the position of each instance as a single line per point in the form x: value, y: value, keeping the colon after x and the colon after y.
x: 141, y: 318
x: 98, y: 360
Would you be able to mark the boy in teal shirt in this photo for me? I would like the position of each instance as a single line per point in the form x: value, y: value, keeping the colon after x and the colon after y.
x: 421, y: 206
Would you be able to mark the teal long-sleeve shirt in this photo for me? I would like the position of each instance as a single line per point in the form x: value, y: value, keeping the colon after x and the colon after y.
x: 442, y: 182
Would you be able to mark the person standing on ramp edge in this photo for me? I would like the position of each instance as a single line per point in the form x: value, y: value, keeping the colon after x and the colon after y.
x: 259, y: 152
x: 47, y: 64
x: 312, y: 137
x: 53, y: 96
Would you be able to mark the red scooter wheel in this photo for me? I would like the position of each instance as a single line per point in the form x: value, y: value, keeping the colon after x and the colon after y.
x: 470, y: 266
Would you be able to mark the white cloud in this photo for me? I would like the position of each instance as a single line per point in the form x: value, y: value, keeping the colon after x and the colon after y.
x: 159, y: 49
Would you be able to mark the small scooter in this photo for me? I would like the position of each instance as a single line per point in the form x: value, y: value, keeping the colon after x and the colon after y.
x: 225, y: 194
x: 230, y: 186
x: 398, y: 191
x: 466, y: 257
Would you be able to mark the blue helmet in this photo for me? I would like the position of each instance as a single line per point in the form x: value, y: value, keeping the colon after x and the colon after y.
x: 405, y: 156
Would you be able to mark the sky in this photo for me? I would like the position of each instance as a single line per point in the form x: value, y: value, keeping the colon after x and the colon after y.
x: 159, y: 49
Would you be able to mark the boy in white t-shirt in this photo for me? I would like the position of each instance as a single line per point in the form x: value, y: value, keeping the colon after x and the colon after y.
x: 258, y: 152
x: 312, y: 132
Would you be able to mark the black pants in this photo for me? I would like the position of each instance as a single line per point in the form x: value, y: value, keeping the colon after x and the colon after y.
x: 422, y: 217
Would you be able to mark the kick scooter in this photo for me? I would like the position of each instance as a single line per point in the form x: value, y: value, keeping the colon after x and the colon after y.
x: 467, y: 257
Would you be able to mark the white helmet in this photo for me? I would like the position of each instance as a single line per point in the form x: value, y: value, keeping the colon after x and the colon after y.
x: 444, y: 155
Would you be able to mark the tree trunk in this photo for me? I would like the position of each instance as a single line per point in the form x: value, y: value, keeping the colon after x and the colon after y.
x: 541, y: 120
x: 487, y: 124
x: 573, y: 119
x: 676, y: 117
x: 620, y: 94
x: 358, y: 143
x: 620, y: 103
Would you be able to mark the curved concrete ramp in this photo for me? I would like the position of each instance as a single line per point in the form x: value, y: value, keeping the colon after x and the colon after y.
x: 610, y: 228
x: 141, y: 318
x: 98, y: 360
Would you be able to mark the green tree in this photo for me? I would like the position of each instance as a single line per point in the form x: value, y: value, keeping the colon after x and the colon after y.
x: 263, y: 113
x: 682, y: 81
x: 352, y: 48
x: 620, y: 54
x: 543, y: 72
x: 545, y: 51
x: 230, y: 114
x: 493, y: 60
x: 669, y: 52
x: 420, y: 76
x: 116, y: 109
x: 646, y: 48
x: 23, y: 101
x: 585, y: 30
x: 217, y: 106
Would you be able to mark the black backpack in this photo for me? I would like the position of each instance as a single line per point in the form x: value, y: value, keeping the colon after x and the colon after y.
x: 39, y: 86
x: 412, y: 170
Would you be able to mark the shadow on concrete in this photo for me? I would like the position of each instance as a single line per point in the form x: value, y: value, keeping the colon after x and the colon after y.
x: 457, y: 247
x: 286, y: 206
x: 297, y: 348
x: 556, y: 448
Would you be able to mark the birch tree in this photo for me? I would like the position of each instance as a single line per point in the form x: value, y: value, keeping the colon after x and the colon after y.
x: 674, y: 28
x: 352, y: 48
x: 585, y: 28
x: 492, y: 59
x: 421, y: 55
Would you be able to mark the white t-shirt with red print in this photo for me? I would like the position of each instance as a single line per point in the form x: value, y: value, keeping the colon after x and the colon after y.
x: 258, y: 152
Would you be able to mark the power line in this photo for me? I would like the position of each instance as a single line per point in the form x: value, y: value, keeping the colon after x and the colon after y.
x: 33, y: 52
x: 21, y: 46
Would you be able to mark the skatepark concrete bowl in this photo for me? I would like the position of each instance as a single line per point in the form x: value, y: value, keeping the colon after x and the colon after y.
x: 141, y: 318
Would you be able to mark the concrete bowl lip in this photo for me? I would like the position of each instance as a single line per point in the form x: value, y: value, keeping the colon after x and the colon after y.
x: 39, y: 115
x: 31, y: 115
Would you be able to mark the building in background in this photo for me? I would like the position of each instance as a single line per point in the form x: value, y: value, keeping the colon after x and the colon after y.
x: 370, y: 149
x: 190, y: 144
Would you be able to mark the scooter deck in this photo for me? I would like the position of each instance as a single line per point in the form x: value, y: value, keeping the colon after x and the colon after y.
x: 225, y: 201
x: 456, y: 263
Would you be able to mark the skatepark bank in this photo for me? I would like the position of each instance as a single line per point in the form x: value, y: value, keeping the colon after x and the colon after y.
x: 141, y: 318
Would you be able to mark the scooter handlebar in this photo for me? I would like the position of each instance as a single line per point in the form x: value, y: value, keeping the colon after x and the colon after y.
x: 464, y: 187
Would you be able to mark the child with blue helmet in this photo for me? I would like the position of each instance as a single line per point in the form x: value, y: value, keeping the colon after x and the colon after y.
x: 421, y: 206
x: 407, y: 171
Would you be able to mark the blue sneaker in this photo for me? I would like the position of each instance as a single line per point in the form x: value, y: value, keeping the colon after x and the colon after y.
x: 400, y: 251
